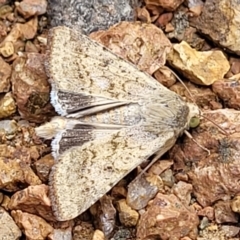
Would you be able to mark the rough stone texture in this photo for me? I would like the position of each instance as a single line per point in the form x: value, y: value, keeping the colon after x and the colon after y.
x: 207, y: 212
x: 216, y: 176
x: 160, y: 166
x: 98, y: 235
x: 164, y: 19
x: 15, y: 168
x: 142, y: 44
x: 204, y: 97
x: 195, y: 7
x: 5, y: 74
x: 31, y: 88
x: 24, y: 31
x: 183, y: 191
x: 84, y: 231
x: 29, y: 8
x: 34, y: 227
x: 43, y: 167
x: 124, y: 233
x: 213, y: 232
x: 7, y: 105
x: 61, y: 234
x: 165, y: 76
x: 202, y: 68
x: 224, y: 214
x: 33, y: 199
x: 235, y: 67
x: 167, y: 178
x: 182, y: 31
x: 89, y: 16
x: 219, y: 21
x: 127, y: 216
x: 235, y: 204
x: 104, y: 215
x: 8, y: 228
x: 169, y: 5
x: 228, y: 90
x: 8, y: 128
x: 7, y: 49
x: 142, y: 190
x: 167, y: 218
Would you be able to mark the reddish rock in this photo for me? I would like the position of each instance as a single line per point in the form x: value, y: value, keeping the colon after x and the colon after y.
x: 224, y: 214
x: 24, y: 31
x: 167, y: 218
x: 145, y: 45
x: 29, y: 8
x: 165, y: 76
x: 160, y: 166
x: 31, y: 88
x: 228, y: 90
x: 143, y: 15
x: 33, y: 199
x: 204, y: 97
x: 169, y: 5
x: 183, y: 191
x: 43, y: 166
x: 142, y: 190
x: 34, y: 227
x: 235, y: 66
x: 207, y: 212
x: 164, y: 19
x: 15, y: 168
x: 215, y: 176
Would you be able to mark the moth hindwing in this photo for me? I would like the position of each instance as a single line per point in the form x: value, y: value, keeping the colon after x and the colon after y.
x: 113, y: 117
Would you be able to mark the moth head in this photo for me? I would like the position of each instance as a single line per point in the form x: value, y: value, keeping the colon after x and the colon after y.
x: 194, y: 115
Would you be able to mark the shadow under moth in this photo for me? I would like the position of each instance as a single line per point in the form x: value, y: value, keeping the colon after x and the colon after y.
x: 112, y: 118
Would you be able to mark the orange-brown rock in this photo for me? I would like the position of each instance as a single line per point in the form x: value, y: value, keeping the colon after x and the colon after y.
x: 33, y: 199
x: 215, y: 176
x: 228, y: 90
x: 30, y: 8
x: 142, y: 44
x: 34, y: 227
x: 31, y: 88
x: 167, y: 218
x: 15, y: 168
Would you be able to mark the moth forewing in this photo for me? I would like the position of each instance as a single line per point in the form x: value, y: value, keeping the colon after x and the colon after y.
x: 94, y: 152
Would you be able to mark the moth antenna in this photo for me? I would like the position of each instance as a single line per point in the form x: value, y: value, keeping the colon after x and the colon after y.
x: 200, y: 145
x: 219, y: 127
x: 181, y: 81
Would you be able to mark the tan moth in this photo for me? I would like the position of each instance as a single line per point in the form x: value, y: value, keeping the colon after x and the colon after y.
x: 113, y: 117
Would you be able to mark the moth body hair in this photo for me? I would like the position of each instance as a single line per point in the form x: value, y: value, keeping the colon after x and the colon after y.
x: 57, y: 124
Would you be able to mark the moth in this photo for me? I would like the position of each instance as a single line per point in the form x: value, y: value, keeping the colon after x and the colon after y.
x: 112, y: 118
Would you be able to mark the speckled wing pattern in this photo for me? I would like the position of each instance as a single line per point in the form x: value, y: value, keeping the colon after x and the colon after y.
x: 113, y: 117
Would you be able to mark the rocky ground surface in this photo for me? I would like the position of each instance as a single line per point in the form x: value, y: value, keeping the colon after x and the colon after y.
x: 190, y: 193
